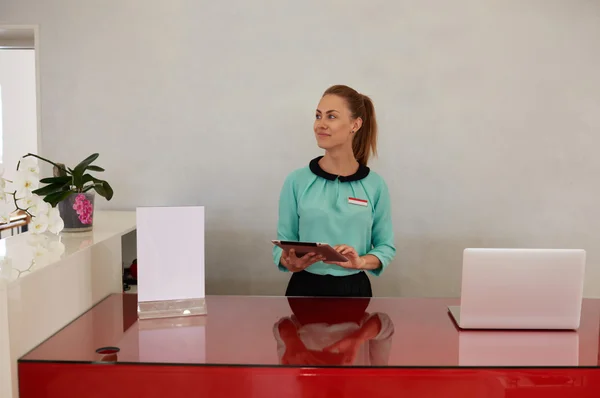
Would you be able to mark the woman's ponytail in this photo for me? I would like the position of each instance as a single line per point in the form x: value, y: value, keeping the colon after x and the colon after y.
x: 364, y: 142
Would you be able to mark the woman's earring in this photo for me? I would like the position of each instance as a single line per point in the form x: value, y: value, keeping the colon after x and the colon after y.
x: 352, y: 131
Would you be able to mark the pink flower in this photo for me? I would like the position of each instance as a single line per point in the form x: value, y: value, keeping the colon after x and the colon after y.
x: 84, y: 209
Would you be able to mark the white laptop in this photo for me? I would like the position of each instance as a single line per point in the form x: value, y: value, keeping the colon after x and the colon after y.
x: 521, y: 289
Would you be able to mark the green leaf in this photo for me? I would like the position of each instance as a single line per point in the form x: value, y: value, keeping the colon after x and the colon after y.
x: 104, y: 189
x: 56, y: 180
x: 86, y: 178
x: 55, y: 198
x: 81, y: 167
x: 77, y: 180
x: 95, y: 168
x: 48, y: 189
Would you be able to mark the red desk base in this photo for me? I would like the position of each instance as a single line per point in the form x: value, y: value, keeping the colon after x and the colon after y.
x: 54, y: 380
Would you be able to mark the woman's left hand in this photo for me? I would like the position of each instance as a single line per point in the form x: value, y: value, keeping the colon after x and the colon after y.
x: 354, y: 260
x: 347, y: 347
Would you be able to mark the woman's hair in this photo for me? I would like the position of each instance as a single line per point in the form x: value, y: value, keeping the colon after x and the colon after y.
x: 364, y: 142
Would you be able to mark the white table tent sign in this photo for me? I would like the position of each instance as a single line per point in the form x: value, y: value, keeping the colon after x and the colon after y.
x: 170, y: 254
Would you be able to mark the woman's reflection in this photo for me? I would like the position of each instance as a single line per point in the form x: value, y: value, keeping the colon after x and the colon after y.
x: 333, y: 331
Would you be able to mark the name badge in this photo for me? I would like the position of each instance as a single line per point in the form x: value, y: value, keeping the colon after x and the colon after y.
x: 358, y: 202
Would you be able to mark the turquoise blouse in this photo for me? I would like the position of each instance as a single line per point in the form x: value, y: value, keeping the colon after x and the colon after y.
x: 315, y: 206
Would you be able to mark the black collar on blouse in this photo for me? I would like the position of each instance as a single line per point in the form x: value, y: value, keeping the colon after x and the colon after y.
x: 361, y: 173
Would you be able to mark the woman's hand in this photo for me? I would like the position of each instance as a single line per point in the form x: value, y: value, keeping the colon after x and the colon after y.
x: 354, y: 260
x: 300, y: 355
x: 367, y: 262
x: 295, y: 264
x: 347, y: 347
x: 296, y: 352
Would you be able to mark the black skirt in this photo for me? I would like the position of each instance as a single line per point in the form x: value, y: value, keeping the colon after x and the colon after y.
x: 306, y: 284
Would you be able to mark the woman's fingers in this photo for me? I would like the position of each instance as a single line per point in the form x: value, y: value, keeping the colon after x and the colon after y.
x: 349, y: 250
x: 339, y: 248
x: 335, y: 347
x: 307, y: 257
x: 342, y: 249
x: 298, y: 264
x: 295, y: 263
x: 311, y: 258
x: 346, y: 250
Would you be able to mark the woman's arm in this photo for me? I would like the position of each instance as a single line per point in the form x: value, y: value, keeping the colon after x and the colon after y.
x: 370, y: 262
x: 287, y: 224
x: 380, y: 345
x: 382, y: 240
x: 382, y: 235
x: 288, y: 333
x: 366, y: 262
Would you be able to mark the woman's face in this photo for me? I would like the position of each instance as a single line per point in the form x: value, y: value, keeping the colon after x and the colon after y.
x: 334, y: 123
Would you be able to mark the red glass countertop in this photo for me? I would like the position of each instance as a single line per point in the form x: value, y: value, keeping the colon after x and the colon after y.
x: 274, y: 331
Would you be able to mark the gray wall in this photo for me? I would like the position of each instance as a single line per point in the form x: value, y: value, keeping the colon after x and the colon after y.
x: 489, y: 114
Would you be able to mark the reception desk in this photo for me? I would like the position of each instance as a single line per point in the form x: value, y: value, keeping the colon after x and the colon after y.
x: 307, y: 347
x: 46, y: 281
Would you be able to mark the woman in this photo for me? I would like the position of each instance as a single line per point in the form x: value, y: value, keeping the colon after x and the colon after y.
x: 338, y: 200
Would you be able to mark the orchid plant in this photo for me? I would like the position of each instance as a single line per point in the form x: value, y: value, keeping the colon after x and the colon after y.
x: 72, y: 180
x: 21, y: 195
x: 40, y: 203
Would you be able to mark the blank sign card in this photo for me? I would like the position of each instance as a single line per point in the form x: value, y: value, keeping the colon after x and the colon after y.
x: 170, y: 247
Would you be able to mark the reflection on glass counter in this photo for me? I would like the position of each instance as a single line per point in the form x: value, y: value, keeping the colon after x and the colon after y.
x: 327, y: 332
x: 33, y: 253
x: 308, y: 347
x: 518, y: 348
x: 26, y: 253
x: 333, y: 332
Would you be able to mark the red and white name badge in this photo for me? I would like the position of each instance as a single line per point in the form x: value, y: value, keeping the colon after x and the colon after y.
x: 358, y: 202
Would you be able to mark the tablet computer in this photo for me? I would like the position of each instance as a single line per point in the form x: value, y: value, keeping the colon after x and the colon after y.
x: 303, y: 248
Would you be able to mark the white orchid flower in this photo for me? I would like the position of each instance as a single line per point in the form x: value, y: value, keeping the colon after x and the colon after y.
x: 39, y: 208
x: 38, y: 240
x: 40, y: 251
x: 56, y: 248
x: 25, y: 183
x: 48, y: 252
x: 39, y: 224
x: 4, y: 216
x: 29, y: 201
x: 55, y: 222
x: 3, y: 196
x: 5, y: 268
x: 29, y: 165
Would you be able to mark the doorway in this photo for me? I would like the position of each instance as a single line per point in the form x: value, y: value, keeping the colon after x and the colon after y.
x: 18, y: 95
x: 19, y: 102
